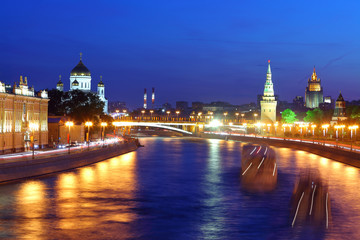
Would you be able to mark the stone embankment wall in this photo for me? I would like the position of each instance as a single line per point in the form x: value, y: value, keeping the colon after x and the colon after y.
x: 36, y: 167
x: 337, y: 154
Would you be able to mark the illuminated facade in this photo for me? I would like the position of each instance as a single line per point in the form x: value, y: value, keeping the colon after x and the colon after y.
x: 339, y: 112
x: 80, y: 79
x: 20, y: 110
x: 313, y: 92
x: 268, y: 103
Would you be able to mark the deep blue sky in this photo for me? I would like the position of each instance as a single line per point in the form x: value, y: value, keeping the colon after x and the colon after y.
x: 188, y: 50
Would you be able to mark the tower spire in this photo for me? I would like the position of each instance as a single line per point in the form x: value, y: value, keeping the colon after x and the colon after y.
x: 60, y: 78
x: 80, y: 56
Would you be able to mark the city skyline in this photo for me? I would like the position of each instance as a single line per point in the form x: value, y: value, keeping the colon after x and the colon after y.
x: 201, y: 53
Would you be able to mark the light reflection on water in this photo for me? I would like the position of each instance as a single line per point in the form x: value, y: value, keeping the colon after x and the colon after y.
x: 174, y: 189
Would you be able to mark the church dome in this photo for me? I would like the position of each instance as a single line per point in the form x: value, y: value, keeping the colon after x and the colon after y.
x: 80, y: 70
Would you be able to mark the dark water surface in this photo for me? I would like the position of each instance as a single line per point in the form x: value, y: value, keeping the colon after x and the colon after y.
x: 175, y: 189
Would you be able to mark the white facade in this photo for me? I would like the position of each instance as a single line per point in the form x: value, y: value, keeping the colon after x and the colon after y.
x: 101, y: 94
x: 84, y: 83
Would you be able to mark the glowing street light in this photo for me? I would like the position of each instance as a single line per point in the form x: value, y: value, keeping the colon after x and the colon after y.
x: 276, y: 124
x: 354, y: 127
x: 168, y: 113
x: 337, y: 128
x: 88, y: 125
x: 177, y: 113
x: 268, y: 125
x: 237, y: 116
x: 255, y: 115
x: 33, y: 127
x: 103, y: 126
x: 69, y: 124
x: 151, y: 112
x: 142, y: 114
x: 242, y: 117
x: 225, y: 114
x: 325, y: 127
x: 313, y: 126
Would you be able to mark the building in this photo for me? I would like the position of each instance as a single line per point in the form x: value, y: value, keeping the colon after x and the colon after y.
x: 340, y: 111
x: 313, y: 92
x: 268, y: 102
x: 58, y: 131
x: 182, y: 106
x: 80, y: 79
x: 23, y: 114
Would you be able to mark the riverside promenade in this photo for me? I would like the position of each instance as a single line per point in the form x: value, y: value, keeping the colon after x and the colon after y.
x: 344, y: 153
x: 21, y: 165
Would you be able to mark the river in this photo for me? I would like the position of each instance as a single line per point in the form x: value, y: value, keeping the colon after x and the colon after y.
x: 175, y: 188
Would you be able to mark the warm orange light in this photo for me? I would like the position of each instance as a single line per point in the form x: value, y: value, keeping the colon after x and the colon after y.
x: 325, y: 126
x: 69, y: 123
x: 103, y: 124
x: 313, y: 126
x: 88, y: 124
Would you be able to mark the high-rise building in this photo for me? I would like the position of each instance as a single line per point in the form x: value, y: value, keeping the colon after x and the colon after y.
x: 313, y: 92
x: 268, y: 102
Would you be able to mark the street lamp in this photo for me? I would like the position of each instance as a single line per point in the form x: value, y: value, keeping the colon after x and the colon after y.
x: 199, y: 115
x: 32, y: 127
x: 103, y: 125
x: 88, y: 125
x: 242, y: 117
x: 69, y: 124
x: 313, y: 126
x: 225, y: 114
x: 151, y: 112
x: 237, y: 116
x: 168, y: 113
x: 255, y: 115
x: 276, y: 124
x: 142, y: 113
x: 177, y: 113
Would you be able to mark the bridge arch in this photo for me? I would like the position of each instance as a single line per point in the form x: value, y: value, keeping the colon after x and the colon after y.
x: 154, y: 125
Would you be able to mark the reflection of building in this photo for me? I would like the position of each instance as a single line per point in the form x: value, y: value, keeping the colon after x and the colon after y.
x: 20, y: 109
x: 268, y: 102
x: 80, y: 79
x: 58, y: 131
x: 339, y: 112
x: 313, y: 92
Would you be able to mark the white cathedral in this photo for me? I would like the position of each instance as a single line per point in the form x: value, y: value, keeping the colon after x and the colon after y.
x: 80, y: 79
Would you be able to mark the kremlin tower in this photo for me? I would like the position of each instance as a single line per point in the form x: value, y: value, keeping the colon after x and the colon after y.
x: 268, y: 102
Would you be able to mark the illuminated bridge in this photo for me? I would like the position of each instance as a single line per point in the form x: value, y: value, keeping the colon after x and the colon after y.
x: 184, y: 127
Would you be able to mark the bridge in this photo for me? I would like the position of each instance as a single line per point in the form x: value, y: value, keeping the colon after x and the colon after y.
x: 185, y: 127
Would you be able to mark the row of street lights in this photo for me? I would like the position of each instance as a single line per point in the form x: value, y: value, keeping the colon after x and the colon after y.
x: 70, y: 124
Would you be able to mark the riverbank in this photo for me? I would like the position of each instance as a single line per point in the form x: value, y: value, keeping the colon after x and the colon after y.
x: 337, y: 154
x: 17, y: 170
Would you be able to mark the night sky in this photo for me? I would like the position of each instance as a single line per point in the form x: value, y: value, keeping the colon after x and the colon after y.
x: 188, y: 50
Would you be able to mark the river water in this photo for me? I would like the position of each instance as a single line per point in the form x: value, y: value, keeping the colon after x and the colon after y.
x: 175, y: 188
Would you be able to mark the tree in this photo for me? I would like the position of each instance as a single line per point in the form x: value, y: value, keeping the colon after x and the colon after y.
x: 77, y: 104
x: 315, y: 116
x: 288, y: 116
